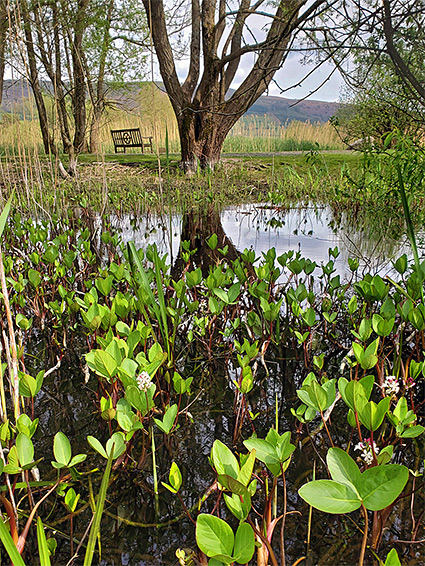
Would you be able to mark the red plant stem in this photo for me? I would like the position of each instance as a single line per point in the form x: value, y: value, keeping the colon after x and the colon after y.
x: 11, y: 515
x: 327, y: 430
x: 282, y: 526
x: 364, y: 541
x: 264, y: 541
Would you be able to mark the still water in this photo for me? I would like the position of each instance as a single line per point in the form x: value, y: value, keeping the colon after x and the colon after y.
x: 312, y: 230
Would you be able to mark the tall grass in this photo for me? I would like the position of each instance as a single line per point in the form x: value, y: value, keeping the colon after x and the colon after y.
x: 149, y: 109
x: 260, y: 134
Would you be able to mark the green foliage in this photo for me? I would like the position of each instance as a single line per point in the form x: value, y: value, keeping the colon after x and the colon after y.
x: 375, y: 488
x: 216, y: 539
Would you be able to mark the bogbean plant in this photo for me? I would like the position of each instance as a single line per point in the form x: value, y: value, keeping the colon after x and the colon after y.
x: 141, y: 328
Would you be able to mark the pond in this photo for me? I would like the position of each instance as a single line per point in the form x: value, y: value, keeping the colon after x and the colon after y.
x: 311, y: 230
x: 265, y: 320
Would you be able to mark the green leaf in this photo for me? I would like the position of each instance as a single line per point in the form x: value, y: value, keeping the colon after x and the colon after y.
x: 244, y: 544
x: 168, y: 421
x: 381, y: 485
x: 245, y: 473
x: 43, y: 549
x: 175, y: 476
x: 225, y: 462
x: 412, y: 432
x: 4, y: 215
x: 12, y: 466
x: 116, y: 444
x: 62, y: 449
x: 95, y: 528
x: 214, y: 536
x: 343, y: 468
x: 25, y: 449
x: 232, y: 485
x: 239, y: 508
x: 8, y: 543
x: 71, y: 499
x: 385, y: 455
x: 318, y: 396
x: 265, y: 451
x: 392, y: 558
x: 371, y: 415
x: 330, y: 496
x: 77, y: 460
x: 105, y: 364
x: 96, y: 445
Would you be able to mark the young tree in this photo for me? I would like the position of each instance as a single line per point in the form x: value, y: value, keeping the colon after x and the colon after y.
x: 204, y: 106
x: 382, y: 43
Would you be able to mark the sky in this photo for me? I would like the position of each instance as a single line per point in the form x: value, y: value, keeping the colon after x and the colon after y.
x: 287, y: 80
x: 291, y: 74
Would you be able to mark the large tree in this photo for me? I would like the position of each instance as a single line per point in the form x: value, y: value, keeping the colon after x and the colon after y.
x: 205, y: 107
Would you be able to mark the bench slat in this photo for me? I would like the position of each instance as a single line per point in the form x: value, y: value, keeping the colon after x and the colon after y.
x: 130, y: 137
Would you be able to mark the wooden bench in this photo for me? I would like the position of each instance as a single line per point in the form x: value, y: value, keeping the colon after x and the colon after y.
x: 130, y: 138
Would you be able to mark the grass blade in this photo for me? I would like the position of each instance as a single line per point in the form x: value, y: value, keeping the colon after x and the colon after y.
x: 410, y: 230
x: 9, y: 545
x: 95, y: 528
x: 5, y: 214
x: 43, y: 549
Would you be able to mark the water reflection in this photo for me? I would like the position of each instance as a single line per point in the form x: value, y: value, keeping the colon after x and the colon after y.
x: 311, y: 230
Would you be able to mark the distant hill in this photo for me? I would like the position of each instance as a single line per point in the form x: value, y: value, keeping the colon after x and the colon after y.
x: 16, y: 99
x: 287, y: 110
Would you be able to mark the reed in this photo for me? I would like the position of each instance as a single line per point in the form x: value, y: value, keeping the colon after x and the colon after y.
x: 264, y: 134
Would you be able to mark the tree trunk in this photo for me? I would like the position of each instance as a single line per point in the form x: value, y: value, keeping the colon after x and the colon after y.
x: 204, y: 114
x: 201, y: 138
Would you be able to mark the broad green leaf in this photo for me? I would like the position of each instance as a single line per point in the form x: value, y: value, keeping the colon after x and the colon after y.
x: 175, y: 476
x: 232, y: 485
x: 385, y: 455
x: 12, y: 466
x: 116, y: 442
x: 214, y: 536
x: 371, y: 415
x: 265, y: 451
x: 318, y: 396
x: 343, y: 468
x: 245, y: 473
x: 62, y: 449
x: 244, y: 544
x: 392, y: 558
x: 330, y: 496
x: 225, y: 462
x: 381, y: 485
x: 170, y: 417
x: 25, y: 449
x: 354, y: 395
x: 412, y: 431
x: 105, y: 364
x: 239, y: 508
x: 77, y: 460
x: 304, y: 396
x: 96, y: 445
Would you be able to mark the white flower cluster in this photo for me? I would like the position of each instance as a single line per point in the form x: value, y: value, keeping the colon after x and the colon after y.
x: 143, y: 381
x: 366, y: 450
x: 390, y: 386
